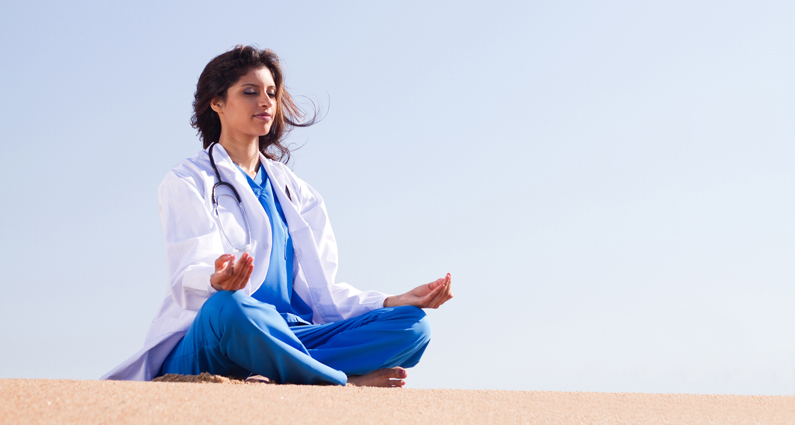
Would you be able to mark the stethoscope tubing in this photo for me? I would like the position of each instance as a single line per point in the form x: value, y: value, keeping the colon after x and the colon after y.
x: 239, y: 203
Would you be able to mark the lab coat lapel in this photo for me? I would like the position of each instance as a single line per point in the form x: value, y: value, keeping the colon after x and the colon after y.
x: 279, y: 183
x: 258, y: 220
x: 305, y: 247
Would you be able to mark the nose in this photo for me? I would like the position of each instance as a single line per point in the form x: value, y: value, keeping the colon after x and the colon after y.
x: 266, y: 101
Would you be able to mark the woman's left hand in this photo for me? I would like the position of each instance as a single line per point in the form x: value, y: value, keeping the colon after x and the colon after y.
x: 430, y: 295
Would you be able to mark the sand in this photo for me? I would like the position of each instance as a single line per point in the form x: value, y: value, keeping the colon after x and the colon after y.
x: 203, y: 378
x: 25, y: 401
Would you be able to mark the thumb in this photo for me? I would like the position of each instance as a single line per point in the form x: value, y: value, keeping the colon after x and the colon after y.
x: 222, y: 261
x: 435, y: 284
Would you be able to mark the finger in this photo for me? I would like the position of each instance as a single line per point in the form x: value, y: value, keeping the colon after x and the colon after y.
x: 448, y: 290
x: 230, y: 266
x: 223, y: 269
x: 442, y: 300
x: 448, y: 293
x: 438, y: 299
x: 427, y: 300
x: 449, y: 286
x: 242, y: 271
x: 238, y: 272
x: 443, y: 280
x: 445, y: 299
x: 221, y: 261
x: 229, y: 277
x: 249, y: 269
x: 436, y: 283
x: 443, y: 295
x: 424, y: 290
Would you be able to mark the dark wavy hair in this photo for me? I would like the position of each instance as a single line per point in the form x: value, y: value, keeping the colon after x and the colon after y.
x: 224, y: 71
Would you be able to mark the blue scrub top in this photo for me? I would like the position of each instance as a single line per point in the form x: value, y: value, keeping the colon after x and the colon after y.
x: 277, y: 289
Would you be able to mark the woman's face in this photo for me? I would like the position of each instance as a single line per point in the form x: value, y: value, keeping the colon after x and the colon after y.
x: 249, y: 107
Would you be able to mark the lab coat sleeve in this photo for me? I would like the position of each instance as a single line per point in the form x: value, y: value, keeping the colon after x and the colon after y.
x: 192, y: 239
x: 350, y: 301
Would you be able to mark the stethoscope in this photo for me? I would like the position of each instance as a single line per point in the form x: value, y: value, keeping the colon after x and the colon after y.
x: 247, y: 246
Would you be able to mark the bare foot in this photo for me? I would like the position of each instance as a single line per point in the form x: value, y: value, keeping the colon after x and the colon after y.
x: 391, y: 378
x: 258, y: 379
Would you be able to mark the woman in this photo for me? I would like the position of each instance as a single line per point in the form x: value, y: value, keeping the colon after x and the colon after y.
x: 252, y: 258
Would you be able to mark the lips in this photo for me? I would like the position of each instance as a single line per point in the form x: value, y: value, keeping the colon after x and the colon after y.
x: 265, y: 116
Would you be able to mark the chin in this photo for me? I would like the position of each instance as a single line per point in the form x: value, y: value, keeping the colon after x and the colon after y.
x: 259, y: 132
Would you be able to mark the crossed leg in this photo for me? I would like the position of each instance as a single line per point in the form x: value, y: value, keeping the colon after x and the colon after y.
x: 236, y: 335
x: 372, y: 349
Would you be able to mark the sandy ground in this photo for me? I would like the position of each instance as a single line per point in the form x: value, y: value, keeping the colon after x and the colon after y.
x: 88, y: 402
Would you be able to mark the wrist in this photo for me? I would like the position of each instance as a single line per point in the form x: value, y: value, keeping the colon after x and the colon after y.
x: 390, y: 301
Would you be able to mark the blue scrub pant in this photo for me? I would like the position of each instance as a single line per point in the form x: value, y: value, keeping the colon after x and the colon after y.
x: 236, y: 335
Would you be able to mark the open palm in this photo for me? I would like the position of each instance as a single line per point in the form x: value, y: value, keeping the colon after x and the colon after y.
x: 430, y: 295
x: 230, y: 276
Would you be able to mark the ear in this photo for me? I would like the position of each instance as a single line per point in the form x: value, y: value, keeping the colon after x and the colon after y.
x: 217, y: 104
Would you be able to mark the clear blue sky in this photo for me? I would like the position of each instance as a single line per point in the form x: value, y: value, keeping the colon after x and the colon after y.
x: 611, y: 184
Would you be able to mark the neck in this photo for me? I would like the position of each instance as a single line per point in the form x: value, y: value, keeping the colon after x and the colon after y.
x: 244, y: 152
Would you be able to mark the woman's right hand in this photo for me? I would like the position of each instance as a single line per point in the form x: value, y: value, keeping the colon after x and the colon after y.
x: 231, y: 276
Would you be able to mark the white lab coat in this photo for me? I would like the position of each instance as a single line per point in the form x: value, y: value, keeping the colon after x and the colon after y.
x: 194, y: 242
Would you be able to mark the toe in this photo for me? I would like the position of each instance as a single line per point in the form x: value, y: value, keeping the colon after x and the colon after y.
x: 398, y: 373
